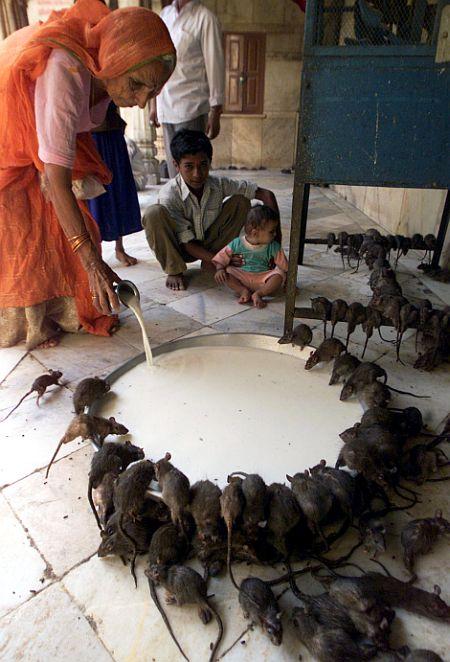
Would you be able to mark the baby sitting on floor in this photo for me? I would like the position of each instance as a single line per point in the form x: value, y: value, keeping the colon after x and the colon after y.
x: 264, y: 264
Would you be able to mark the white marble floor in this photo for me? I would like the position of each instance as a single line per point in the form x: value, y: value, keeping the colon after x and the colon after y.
x: 58, y: 600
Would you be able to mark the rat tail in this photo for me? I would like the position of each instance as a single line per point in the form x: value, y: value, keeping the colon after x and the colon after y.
x: 413, y: 395
x: 155, y: 599
x: 17, y: 405
x: 230, y: 571
x: 134, y: 545
x: 219, y: 634
x: 54, y: 455
x: 94, y: 509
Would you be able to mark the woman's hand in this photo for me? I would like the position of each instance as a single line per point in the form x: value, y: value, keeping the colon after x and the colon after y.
x: 101, y: 284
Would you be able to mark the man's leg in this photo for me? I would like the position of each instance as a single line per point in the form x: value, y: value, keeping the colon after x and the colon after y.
x: 228, y: 224
x: 161, y: 237
x: 169, y: 130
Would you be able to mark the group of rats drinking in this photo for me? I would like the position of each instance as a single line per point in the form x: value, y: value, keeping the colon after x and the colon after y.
x: 145, y: 507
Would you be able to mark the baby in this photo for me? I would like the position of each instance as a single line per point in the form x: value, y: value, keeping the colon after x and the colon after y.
x: 264, y: 264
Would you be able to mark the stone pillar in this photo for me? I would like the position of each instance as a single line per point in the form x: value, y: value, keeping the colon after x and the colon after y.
x: 143, y: 133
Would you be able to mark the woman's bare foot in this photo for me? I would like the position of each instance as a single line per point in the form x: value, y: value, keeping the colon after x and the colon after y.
x: 175, y: 282
x: 125, y: 259
x: 50, y: 342
x: 258, y: 302
x: 245, y: 296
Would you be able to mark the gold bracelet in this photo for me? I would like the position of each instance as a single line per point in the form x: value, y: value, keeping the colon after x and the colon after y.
x: 76, y: 246
x: 76, y: 237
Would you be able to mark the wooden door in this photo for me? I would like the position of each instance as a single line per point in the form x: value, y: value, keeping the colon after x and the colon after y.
x: 244, y: 72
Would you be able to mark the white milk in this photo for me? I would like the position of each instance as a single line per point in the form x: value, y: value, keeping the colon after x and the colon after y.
x: 222, y: 409
x: 131, y: 300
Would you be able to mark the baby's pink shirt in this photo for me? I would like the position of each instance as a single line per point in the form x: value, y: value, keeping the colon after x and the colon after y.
x: 61, y: 107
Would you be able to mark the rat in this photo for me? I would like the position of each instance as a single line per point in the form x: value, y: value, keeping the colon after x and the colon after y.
x: 167, y: 547
x: 341, y: 484
x: 314, y: 498
x: 129, y: 497
x: 283, y: 515
x: 419, y: 536
x: 422, y: 655
x: 356, y: 314
x: 185, y: 586
x: 338, y: 312
x: 409, y: 316
x: 376, y: 459
x: 302, y: 336
x: 342, y: 239
x: 407, y: 422
x: 365, y: 373
x: 40, y: 385
x: 373, y: 586
x: 110, y: 458
x: 175, y: 489
x: 374, y: 395
x: 205, y: 509
x: 115, y: 543
x: 255, y: 498
x: 87, y: 391
x: 322, y: 306
x: 344, y: 365
x: 232, y: 502
x: 259, y: 603
x: 328, y: 350
x: 372, y: 532
x: 94, y: 428
x: 325, y: 643
x: 373, y: 321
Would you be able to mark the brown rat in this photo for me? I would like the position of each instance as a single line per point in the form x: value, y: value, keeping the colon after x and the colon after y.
x: 373, y: 586
x: 328, y: 350
x: 232, y: 502
x: 40, y: 385
x: 364, y: 373
x: 258, y: 602
x: 322, y: 306
x: 205, y: 509
x: 372, y: 532
x: 344, y: 365
x: 356, y: 314
x: 419, y: 537
x: 374, y: 395
x: 324, y: 643
x: 129, y: 497
x: 373, y: 321
x: 283, y: 515
x: 340, y: 483
x: 338, y: 312
x: 409, y: 316
x: 113, y: 542
x: 110, y: 458
x: 87, y: 391
x: 301, y: 336
x: 94, y: 428
x: 175, y: 489
x: 185, y: 586
x: 254, y: 516
x: 314, y: 498
x: 168, y: 547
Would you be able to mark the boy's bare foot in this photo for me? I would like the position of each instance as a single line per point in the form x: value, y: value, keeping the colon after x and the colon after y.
x: 175, y: 282
x: 258, y: 302
x: 125, y: 259
x: 50, y: 342
x: 245, y: 296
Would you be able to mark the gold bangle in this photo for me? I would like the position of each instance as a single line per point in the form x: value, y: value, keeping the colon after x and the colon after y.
x: 75, y: 238
x: 77, y: 245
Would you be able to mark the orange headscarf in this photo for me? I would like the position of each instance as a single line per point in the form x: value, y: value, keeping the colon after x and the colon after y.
x: 107, y: 43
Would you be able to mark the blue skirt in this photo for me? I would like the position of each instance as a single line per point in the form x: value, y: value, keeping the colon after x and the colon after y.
x: 117, y: 211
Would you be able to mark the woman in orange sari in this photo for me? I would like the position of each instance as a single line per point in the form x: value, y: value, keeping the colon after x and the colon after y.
x: 56, y: 81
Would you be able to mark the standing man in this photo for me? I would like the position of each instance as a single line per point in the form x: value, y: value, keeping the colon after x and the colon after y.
x: 193, y: 97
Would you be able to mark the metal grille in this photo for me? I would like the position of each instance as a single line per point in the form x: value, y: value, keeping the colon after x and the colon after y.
x: 375, y: 22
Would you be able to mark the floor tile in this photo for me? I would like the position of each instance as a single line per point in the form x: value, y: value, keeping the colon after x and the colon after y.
x: 23, y: 569
x: 56, y: 511
x: 208, y: 307
x: 82, y: 355
x: 30, y: 435
x: 9, y: 358
x: 49, y: 627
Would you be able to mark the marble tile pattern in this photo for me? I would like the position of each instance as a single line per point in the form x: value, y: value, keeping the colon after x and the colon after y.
x: 58, y: 600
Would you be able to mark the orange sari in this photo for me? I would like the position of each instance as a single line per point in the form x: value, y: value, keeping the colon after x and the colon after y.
x: 37, y: 265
